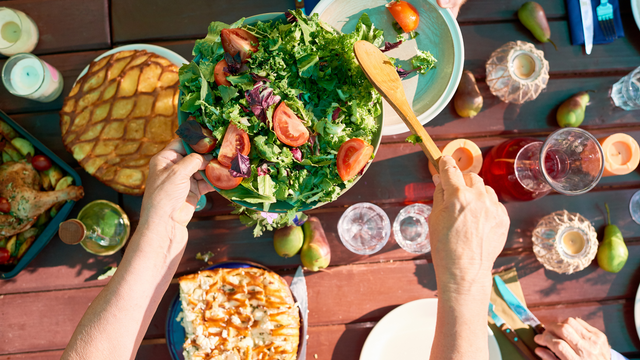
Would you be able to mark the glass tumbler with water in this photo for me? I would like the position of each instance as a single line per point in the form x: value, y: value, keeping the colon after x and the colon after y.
x: 626, y: 92
x: 411, y: 228
x: 364, y: 228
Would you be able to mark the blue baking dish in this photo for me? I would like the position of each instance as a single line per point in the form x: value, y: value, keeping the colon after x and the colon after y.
x: 52, y: 228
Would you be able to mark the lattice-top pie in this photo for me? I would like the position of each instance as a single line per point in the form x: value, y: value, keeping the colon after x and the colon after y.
x: 238, y: 314
x: 119, y: 114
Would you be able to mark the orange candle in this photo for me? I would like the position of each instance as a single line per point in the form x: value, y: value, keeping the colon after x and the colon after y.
x: 466, y: 153
x: 621, y: 154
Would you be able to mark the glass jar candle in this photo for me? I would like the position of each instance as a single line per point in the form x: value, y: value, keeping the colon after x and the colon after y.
x: 28, y: 76
x: 18, y: 33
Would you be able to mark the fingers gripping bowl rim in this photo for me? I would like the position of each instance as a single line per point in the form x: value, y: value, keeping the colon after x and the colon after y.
x: 278, y: 206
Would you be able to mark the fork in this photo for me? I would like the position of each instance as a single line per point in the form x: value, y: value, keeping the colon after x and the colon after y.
x: 605, y: 19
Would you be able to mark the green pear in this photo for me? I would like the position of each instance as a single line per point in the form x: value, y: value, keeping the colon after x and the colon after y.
x: 468, y: 100
x: 612, y: 253
x: 315, y: 253
x: 288, y: 240
x: 571, y: 112
x: 532, y: 16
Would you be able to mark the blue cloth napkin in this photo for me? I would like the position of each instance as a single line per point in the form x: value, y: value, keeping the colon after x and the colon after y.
x: 575, y: 22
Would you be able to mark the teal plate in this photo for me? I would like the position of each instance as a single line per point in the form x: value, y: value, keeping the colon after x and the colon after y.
x: 278, y: 206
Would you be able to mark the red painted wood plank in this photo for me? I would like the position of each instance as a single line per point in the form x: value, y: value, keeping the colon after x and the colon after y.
x: 41, y: 355
x: 70, y: 25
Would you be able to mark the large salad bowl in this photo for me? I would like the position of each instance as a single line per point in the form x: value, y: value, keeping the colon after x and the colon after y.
x: 236, y: 195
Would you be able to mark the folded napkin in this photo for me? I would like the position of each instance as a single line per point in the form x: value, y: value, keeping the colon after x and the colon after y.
x: 525, y: 332
x: 575, y: 22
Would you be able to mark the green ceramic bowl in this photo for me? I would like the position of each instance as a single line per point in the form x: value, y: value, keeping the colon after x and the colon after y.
x: 278, y: 206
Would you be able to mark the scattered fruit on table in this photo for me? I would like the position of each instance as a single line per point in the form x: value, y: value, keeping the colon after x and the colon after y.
x: 405, y: 14
x: 315, y: 253
x: 353, y: 155
x: 532, y: 16
x: 468, y: 100
x: 571, y: 112
x: 612, y: 253
x: 287, y: 241
x: 41, y: 163
x: 119, y: 114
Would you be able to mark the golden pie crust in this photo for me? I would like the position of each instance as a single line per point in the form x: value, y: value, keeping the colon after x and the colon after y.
x: 238, y: 314
x: 119, y: 114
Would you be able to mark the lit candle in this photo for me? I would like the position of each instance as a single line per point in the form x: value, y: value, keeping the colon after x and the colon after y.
x: 573, y: 242
x: 621, y: 154
x: 18, y: 33
x: 28, y: 76
x: 466, y: 154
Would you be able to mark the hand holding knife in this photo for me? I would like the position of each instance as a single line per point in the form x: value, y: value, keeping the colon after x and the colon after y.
x: 525, y: 315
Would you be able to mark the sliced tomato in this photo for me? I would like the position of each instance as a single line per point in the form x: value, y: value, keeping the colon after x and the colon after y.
x: 235, y: 140
x: 220, y: 177
x: 405, y: 14
x: 352, y: 157
x: 220, y: 74
x: 288, y: 126
x: 239, y: 40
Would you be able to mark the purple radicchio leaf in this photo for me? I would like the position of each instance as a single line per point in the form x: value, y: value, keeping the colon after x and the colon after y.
x: 244, y: 108
x: 260, y: 98
x: 390, y: 46
x: 404, y: 73
x: 240, y: 166
x: 336, y: 114
x: 297, y: 154
x: 191, y: 131
x: 290, y: 17
x: 234, y: 63
x: 263, y: 169
x: 257, y: 77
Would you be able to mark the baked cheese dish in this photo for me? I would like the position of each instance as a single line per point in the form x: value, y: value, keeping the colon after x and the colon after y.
x: 238, y: 314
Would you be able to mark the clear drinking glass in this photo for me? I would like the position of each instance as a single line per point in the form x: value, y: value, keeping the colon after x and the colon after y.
x: 626, y: 92
x: 411, y: 228
x: 364, y: 228
x: 634, y: 207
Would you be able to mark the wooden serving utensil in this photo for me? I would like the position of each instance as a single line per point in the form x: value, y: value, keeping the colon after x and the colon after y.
x: 383, y: 76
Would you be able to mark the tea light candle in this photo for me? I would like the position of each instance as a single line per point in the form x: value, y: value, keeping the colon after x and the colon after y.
x: 18, y: 33
x: 524, y: 66
x: 26, y: 75
x: 573, y: 242
x: 466, y: 153
x: 621, y: 154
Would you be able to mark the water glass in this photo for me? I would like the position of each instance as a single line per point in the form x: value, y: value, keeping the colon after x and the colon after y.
x: 411, y: 228
x: 634, y: 207
x: 626, y: 92
x: 364, y: 228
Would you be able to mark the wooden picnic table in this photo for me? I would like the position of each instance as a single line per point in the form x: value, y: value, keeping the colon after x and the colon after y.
x: 40, y: 308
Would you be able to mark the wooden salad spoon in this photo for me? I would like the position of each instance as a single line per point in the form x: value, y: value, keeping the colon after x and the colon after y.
x: 385, y: 79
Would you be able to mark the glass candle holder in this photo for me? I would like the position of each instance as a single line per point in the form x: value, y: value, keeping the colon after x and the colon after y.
x: 364, y: 228
x: 517, y: 72
x: 565, y: 242
x: 411, y: 228
x: 28, y: 76
x: 18, y: 32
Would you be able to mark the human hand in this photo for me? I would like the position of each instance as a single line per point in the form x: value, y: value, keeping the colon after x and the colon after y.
x: 173, y: 189
x: 468, y: 227
x: 573, y: 339
x: 454, y: 5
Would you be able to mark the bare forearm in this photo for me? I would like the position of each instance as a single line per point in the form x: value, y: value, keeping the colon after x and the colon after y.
x: 461, y: 326
x: 116, y: 321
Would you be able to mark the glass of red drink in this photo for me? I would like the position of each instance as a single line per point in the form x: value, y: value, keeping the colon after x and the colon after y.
x: 570, y: 162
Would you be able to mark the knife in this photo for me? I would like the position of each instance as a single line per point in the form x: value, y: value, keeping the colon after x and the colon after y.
x: 511, y: 335
x: 587, y: 24
x: 516, y: 306
x: 299, y: 290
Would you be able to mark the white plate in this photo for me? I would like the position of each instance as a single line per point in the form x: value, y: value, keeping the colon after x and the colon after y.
x: 439, y: 34
x: 175, y: 58
x: 636, y: 312
x: 635, y: 7
x: 407, y: 333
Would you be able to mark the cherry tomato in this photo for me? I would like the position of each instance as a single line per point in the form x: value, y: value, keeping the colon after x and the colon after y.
x: 405, y: 14
x: 235, y: 140
x: 352, y: 157
x: 41, y: 163
x: 5, y: 206
x: 234, y: 40
x: 288, y: 126
x: 220, y: 177
x: 220, y: 74
x: 5, y: 255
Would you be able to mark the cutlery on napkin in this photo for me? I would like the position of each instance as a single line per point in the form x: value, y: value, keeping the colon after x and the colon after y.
x: 575, y: 22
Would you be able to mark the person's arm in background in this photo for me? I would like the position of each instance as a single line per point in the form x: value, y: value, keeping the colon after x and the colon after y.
x: 116, y: 321
x: 468, y: 229
x: 454, y: 5
x: 574, y: 339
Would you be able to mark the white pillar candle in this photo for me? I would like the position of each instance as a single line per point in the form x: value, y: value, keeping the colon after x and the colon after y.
x: 18, y: 33
x: 28, y: 76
